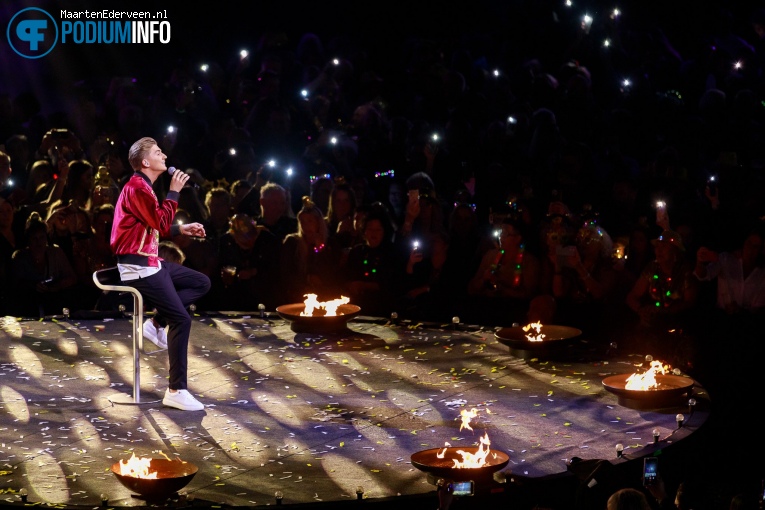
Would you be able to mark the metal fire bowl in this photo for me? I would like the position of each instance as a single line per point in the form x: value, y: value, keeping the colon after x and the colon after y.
x: 668, y: 393
x: 172, y: 476
x: 428, y: 461
x: 556, y: 339
x: 317, y: 323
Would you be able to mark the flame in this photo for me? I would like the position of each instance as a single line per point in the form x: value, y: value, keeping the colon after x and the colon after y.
x: 470, y: 460
x: 647, y: 380
x: 536, y: 326
x: 330, y: 307
x: 137, y: 467
x: 477, y: 459
x: 466, y: 417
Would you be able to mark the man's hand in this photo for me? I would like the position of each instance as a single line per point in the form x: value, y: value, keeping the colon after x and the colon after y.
x: 191, y: 229
x: 178, y: 180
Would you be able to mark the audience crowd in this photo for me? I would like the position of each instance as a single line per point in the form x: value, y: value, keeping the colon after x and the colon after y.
x: 456, y: 179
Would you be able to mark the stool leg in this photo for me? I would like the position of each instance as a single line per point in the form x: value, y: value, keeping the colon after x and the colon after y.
x: 137, y: 345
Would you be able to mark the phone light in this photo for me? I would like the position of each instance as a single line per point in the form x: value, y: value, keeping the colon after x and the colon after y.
x: 512, y: 120
x: 232, y: 152
x: 496, y: 73
x: 243, y: 54
x: 586, y: 22
x: 271, y: 163
x: 712, y: 178
x: 289, y: 172
x: 336, y: 61
x: 204, y: 68
x: 606, y: 43
x: 615, y: 13
x: 333, y: 140
x: 435, y: 137
x: 170, y: 129
x: 738, y: 65
x: 416, y: 244
x: 569, y: 3
x: 304, y: 93
x: 9, y: 182
x: 626, y: 83
x: 660, y: 204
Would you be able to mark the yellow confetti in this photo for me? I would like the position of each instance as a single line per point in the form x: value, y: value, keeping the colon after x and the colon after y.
x: 342, y: 443
x: 567, y: 424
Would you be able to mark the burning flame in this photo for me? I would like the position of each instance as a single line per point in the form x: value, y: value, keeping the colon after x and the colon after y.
x: 137, y: 467
x: 647, y: 380
x: 311, y: 304
x: 466, y: 417
x: 477, y: 459
x: 470, y: 460
x: 536, y: 326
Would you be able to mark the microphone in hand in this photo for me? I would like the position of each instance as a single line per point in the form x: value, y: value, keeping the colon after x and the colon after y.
x: 171, y: 171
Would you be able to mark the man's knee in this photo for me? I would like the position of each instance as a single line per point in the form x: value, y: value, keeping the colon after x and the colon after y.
x: 205, y: 283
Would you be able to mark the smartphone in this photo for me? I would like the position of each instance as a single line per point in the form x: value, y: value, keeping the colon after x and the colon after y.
x: 462, y: 488
x: 712, y: 184
x: 661, y: 214
x: 650, y: 470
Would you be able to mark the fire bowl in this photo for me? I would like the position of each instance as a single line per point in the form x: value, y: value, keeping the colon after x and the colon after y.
x: 429, y: 462
x: 317, y: 323
x: 172, y: 476
x: 556, y: 340
x: 668, y: 393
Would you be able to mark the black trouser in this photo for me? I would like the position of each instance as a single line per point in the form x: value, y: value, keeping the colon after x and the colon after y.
x: 170, y: 291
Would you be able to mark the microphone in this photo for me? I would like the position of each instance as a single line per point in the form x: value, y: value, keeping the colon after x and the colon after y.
x: 171, y: 171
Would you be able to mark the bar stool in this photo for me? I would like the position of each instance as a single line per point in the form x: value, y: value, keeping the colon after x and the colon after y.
x: 109, y: 280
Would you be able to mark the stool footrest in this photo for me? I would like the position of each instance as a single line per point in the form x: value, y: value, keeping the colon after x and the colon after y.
x: 109, y: 280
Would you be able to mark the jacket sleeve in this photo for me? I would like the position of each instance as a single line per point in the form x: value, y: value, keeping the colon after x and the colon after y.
x: 146, y: 208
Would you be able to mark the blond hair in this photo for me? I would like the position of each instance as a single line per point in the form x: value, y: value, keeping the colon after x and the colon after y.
x: 139, y: 150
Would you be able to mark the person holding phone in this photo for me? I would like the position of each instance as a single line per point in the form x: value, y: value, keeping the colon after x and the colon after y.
x: 140, y: 220
x: 507, y: 278
x: 584, y: 281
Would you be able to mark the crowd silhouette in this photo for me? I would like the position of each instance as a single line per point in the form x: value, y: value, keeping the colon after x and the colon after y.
x: 610, y: 179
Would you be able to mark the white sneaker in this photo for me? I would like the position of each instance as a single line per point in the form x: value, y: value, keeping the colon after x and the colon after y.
x: 155, y: 335
x: 182, y: 400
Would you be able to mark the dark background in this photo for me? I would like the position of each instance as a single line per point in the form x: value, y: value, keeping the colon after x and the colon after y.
x: 504, y: 32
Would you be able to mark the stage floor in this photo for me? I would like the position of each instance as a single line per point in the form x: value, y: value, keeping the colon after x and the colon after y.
x: 314, y: 416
